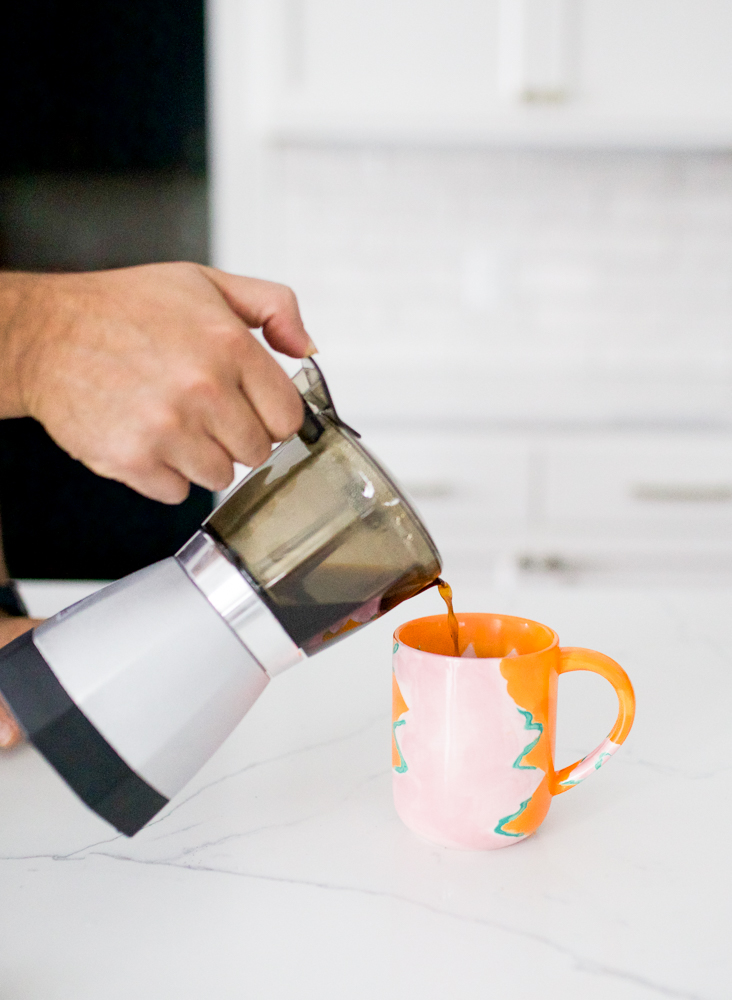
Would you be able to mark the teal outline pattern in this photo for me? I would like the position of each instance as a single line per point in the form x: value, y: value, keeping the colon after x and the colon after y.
x: 400, y: 768
x: 537, y: 727
x: 396, y: 647
x: 507, y: 819
x: 570, y: 782
x: 528, y: 724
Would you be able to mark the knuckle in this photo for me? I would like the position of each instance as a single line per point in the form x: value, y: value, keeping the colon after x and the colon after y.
x: 227, y: 334
x: 223, y: 328
x: 163, y: 422
x: 288, y: 297
x: 199, y: 383
x: 131, y: 456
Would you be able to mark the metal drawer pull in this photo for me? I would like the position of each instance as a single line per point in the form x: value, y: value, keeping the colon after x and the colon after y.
x: 546, y: 564
x: 682, y: 493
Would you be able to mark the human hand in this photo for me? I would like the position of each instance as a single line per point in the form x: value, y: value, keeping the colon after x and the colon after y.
x: 11, y: 628
x: 150, y: 375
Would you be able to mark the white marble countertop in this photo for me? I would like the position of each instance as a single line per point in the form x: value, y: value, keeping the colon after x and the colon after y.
x: 282, y: 871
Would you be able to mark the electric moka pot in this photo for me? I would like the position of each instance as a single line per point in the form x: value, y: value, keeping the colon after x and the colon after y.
x: 129, y: 692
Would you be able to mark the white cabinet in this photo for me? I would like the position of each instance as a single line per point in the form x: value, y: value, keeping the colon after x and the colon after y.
x: 641, y: 488
x: 568, y: 502
x: 569, y: 499
x: 572, y: 73
x: 534, y: 70
x: 538, y: 71
x: 473, y: 489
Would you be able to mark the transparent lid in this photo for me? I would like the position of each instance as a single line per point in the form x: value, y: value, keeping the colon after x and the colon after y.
x: 323, y: 531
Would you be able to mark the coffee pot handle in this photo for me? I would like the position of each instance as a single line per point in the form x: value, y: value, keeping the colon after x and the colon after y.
x: 310, y: 383
x: 575, y: 658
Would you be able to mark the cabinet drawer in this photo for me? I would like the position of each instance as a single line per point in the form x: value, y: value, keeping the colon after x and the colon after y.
x: 655, y: 484
x: 470, y: 488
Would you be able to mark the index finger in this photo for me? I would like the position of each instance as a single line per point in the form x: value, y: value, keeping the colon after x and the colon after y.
x: 267, y: 305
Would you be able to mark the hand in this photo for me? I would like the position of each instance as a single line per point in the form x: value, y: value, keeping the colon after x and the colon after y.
x: 11, y: 628
x: 150, y: 375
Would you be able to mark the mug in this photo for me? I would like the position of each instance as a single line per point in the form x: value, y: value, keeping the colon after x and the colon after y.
x: 473, y: 736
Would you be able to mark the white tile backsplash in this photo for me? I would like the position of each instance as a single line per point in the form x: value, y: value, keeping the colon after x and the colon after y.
x: 596, y: 268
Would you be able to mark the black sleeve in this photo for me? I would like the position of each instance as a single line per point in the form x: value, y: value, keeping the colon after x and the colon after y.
x: 60, y: 521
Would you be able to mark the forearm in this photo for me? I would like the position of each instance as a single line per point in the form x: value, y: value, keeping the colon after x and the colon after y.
x: 22, y: 315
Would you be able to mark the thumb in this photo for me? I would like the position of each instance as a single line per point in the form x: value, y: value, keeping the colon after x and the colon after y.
x: 267, y: 305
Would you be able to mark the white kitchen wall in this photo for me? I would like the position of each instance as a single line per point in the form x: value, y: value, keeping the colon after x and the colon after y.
x: 539, y: 343
x: 512, y: 286
x: 522, y: 294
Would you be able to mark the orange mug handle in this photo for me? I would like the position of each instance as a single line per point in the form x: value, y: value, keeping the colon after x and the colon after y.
x: 574, y: 658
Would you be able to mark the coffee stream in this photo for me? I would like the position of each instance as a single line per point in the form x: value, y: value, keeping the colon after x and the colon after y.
x: 446, y: 594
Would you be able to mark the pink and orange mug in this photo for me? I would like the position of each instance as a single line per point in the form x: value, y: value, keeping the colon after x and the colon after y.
x: 473, y: 736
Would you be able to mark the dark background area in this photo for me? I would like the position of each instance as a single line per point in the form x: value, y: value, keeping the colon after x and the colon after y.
x: 102, y: 118
x: 102, y: 164
x: 112, y: 85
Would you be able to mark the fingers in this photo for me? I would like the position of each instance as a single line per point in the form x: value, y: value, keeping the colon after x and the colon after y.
x: 201, y: 460
x: 151, y: 478
x: 235, y: 417
x: 270, y: 392
x: 239, y: 431
x: 267, y: 305
x: 249, y: 406
x: 206, y: 425
x: 163, y: 484
x: 177, y: 388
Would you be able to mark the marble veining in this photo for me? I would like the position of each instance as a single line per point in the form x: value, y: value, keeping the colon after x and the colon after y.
x: 282, y: 871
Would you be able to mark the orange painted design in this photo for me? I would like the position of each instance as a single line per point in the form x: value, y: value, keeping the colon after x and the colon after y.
x: 533, y: 815
x: 527, y: 685
x: 398, y: 707
x: 576, y: 658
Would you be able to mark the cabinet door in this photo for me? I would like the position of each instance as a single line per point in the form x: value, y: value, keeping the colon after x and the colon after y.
x: 657, y: 61
x: 553, y: 71
x: 372, y: 63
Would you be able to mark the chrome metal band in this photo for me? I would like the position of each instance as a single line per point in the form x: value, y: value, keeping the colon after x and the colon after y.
x: 238, y: 604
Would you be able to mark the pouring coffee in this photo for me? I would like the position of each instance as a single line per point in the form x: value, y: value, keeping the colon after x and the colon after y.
x: 130, y: 691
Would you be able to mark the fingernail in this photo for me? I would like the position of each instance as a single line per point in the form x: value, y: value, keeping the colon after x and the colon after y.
x: 310, y: 349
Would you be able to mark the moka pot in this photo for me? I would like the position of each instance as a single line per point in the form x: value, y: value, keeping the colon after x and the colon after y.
x: 129, y: 692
